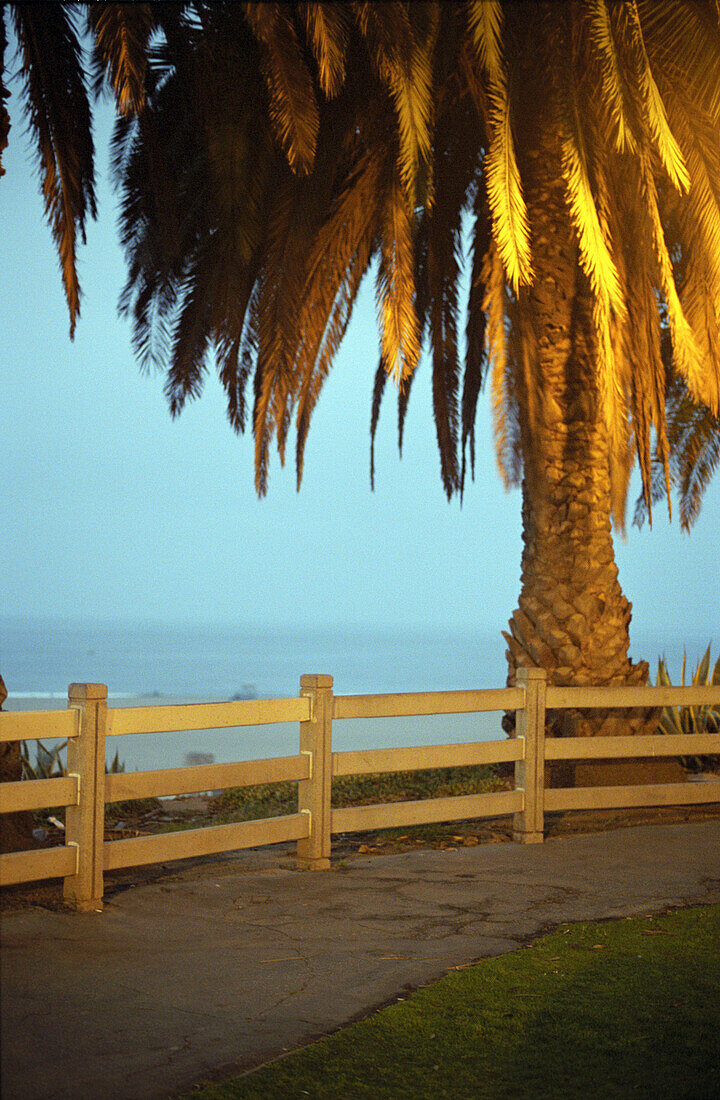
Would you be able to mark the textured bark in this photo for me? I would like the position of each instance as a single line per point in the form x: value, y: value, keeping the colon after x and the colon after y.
x: 572, y: 618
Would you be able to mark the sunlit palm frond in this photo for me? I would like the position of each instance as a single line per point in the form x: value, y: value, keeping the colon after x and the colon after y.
x: 485, y: 20
x: 684, y: 38
x: 684, y: 346
x: 494, y: 305
x: 504, y: 189
x: 617, y: 98
x: 410, y: 87
x: 293, y: 106
x: 327, y: 31
x: 594, y: 240
x: 58, y: 111
x: 402, y: 60
x: 395, y: 284
x: 655, y: 114
x: 122, y: 33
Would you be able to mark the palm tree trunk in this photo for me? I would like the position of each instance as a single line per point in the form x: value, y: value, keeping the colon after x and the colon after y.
x: 572, y: 618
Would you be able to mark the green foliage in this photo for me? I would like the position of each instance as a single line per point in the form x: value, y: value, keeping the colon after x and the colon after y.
x: 49, y: 764
x: 274, y: 799
x: 689, y: 720
x: 613, y: 1009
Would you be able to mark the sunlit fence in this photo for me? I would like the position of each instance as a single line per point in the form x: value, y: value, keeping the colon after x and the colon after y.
x: 84, y: 858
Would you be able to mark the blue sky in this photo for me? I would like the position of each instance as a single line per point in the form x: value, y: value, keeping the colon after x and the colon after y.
x: 114, y: 511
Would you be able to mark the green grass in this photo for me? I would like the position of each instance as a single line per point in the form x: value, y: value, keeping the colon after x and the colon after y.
x: 620, y: 1009
x: 272, y: 799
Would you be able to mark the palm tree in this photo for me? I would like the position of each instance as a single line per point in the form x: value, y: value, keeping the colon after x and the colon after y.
x: 275, y: 152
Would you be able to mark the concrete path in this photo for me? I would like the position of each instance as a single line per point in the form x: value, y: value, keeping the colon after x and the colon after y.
x: 223, y: 966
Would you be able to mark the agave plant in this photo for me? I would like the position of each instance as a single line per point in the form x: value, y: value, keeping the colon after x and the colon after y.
x: 698, y: 719
x: 48, y: 762
x: 50, y: 765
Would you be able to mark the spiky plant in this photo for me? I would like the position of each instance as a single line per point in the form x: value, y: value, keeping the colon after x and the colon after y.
x: 48, y: 762
x: 697, y: 719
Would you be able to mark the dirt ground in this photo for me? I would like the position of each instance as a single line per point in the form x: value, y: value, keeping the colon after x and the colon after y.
x: 197, y: 811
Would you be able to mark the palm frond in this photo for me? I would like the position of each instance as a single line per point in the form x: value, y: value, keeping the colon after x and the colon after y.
x: 475, y: 353
x: 337, y: 264
x: 485, y: 21
x: 395, y: 284
x: 617, y: 97
x: 684, y: 346
x: 327, y: 31
x: 381, y: 376
x: 655, y: 113
x: 293, y: 106
x: 191, y: 339
x: 335, y: 330
x: 502, y: 397
x: 694, y: 442
x: 504, y: 189
x: 59, y: 114
x: 403, y: 63
x: 122, y: 33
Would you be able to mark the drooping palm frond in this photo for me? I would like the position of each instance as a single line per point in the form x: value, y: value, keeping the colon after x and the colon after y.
x: 617, y: 96
x: 58, y: 111
x: 475, y: 351
x: 485, y: 20
x: 399, y: 120
x: 121, y: 33
x: 685, y: 350
x: 395, y: 283
x: 655, y: 114
x: 694, y: 435
x: 595, y: 254
x: 455, y: 174
x: 326, y: 26
x: 293, y: 105
x: 336, y: 263
x: 504, y: 188
x: 381, y: 376
x: 402, y: 59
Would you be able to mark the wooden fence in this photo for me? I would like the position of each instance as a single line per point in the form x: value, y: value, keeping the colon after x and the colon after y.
x: 86, y: 788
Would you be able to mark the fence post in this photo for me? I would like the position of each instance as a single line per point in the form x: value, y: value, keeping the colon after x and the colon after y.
x: 529, y: 825
x: 314, y: 794
x: 85, y: 823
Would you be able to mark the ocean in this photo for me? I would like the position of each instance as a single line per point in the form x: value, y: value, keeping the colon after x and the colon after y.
x: 144, y: 664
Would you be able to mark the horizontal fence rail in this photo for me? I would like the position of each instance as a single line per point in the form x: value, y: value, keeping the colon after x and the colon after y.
x: 85, y: 789
x: 204, y: 716
x: 27, y: 725
x: 423, y: 703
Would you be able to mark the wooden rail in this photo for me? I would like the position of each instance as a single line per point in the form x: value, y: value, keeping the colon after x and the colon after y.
x: 86, y: 789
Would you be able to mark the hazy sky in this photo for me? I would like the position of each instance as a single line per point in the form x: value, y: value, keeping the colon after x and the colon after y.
x: 112, y: 510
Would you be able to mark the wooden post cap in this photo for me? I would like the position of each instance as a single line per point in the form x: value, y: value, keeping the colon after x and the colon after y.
x: 81, y: 693
x: 316, y: 681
